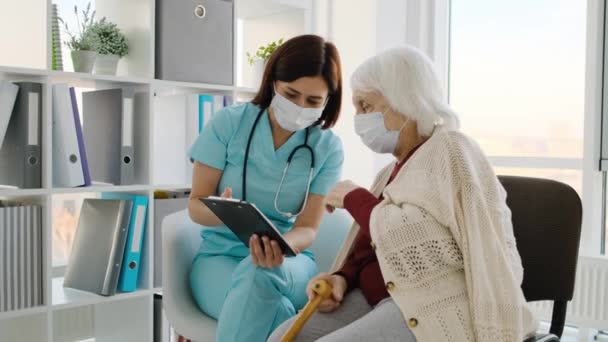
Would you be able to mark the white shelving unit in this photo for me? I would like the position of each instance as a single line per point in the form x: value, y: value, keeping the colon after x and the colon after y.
x: 71, y: 315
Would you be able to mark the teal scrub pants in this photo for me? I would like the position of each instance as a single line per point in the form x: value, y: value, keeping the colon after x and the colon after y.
x: 248, y: 301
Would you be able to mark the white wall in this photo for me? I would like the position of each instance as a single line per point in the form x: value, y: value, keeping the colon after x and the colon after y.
x: 353, y: 30
x: 420, y: 23
x: 320, y: 20
x: 391, y: 30
x: 258, y: 32
x: 361, y: 29
x: 23, y: 33
x: 391, y: 23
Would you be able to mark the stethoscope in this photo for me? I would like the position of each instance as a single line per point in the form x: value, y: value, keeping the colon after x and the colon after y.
x: 293, y: 152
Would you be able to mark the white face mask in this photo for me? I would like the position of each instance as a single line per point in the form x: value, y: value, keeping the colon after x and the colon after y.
x: 370, y: 127
x: 292, y: 117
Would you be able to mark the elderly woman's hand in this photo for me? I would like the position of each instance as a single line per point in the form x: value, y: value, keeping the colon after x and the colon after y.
x: 335, y: 198
x: 338, y: 290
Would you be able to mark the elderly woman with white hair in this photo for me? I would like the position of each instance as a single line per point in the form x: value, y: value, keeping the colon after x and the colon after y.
x: 432, y: 256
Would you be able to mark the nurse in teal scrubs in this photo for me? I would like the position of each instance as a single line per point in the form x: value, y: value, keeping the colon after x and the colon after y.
x: 253, y: 289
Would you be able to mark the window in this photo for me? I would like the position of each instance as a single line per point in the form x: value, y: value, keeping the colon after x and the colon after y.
x: 517, y: 79
x: 574, y: 178
x: 604, y: 215
x: 604, y: 115
x: 604, y: 132
x: 519, y: 75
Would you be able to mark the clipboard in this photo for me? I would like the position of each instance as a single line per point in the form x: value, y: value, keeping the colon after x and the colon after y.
x: 245, y: 219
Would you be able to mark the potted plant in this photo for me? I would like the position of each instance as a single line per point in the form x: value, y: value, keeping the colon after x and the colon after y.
x: 111, y: 45
x: 82, y: 43
x: 260, y: 57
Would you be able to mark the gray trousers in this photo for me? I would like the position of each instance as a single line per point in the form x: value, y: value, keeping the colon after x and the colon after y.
x: 354, y: 320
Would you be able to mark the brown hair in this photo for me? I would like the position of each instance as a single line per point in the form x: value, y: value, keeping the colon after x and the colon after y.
x: 302, y: 56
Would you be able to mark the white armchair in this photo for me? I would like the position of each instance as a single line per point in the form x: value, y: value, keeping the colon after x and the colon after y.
x: 181, y: 240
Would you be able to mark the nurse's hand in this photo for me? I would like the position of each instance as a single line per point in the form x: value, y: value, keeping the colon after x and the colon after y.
x: 265, y: 252
x: 335, y: 198
x: 227, y: 193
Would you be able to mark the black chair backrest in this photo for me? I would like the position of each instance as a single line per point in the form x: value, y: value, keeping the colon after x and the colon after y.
x: 546, y: 218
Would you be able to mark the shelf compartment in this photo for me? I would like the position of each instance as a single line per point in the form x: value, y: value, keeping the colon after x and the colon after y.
x: 65, y: 216
x: 31, y: 328
x: 164, y: 87
x: 84, y: 80
x: 23, y: 33
x: 133, y: 18
x: 23, y: 313
x: 17, y: 74
x: 64, y: 297
x: 100, y: 116
x: 127, y: 320
x: 177, y: 120
x: 99, y: 189
x: 8, y: 193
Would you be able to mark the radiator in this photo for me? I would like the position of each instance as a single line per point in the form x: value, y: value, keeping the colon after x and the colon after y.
x: 589, y: 307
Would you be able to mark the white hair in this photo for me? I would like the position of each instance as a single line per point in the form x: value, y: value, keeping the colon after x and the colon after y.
x: 407, y: 79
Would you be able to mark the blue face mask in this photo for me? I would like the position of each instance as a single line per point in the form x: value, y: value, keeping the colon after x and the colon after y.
x: 370, y: 127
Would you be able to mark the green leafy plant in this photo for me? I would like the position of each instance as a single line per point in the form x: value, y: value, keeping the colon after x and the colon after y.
x: 264, y: 52
x: 109, y: 39
x: 81, y: 39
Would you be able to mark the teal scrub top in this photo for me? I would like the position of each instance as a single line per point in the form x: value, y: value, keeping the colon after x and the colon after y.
x: 222, y: 145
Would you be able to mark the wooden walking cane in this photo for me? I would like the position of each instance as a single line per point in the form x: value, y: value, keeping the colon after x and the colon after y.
x: 323, y: 290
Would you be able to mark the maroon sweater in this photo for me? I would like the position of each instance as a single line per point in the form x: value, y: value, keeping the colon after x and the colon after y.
x: 361, y: 268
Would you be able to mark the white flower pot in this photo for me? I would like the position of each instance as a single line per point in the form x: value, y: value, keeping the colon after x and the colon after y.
x: 83, y: 60
x: 106, y: 64
x: 258, y: 73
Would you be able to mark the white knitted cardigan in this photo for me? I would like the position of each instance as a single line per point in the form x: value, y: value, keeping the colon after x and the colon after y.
x: 445, y: 245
